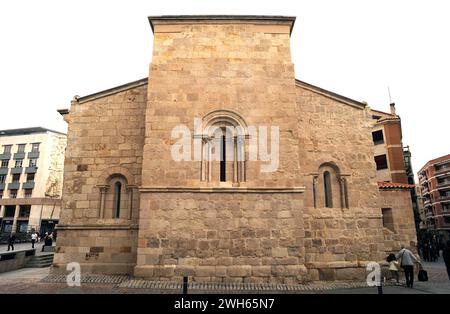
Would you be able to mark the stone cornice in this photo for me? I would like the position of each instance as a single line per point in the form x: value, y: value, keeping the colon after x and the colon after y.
x: 110, y: 91
x: 97, y: 227
x: 222, y: 190
x: 191, y: 19
x: 327, y: 93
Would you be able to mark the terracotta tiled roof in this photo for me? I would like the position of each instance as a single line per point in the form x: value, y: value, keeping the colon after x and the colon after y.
x: 393, y: 186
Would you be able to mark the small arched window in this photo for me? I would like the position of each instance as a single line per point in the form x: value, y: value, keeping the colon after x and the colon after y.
x: 117, y: 195
x: 327, y: 189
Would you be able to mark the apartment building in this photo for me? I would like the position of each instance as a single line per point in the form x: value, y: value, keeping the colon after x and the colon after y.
x: 434, y: 180
x: 31, y: 173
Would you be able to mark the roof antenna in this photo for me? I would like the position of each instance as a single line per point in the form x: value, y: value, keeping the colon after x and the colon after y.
x: 391, y: 104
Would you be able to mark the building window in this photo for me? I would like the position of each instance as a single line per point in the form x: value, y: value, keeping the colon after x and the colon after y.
x: 24, y: 211
x: 446, y: 207
x: 117, y: 195
x: 388, y: 218
x: 447, y: 219
x: 35, y: 147
x: 33, y: 163
x: 2, y: 178
x: 223, y: 148
x: 381, y: 162
x: 5, y: 163
x: 21, y: 148
x: 12, y: 193
x: 18, y: 163
x: 377, y: 137
x: 10, y: 211
x: 22, y: 226
x: 28, y: 193
x: 7, y: 149
x: 30, y: 177
x: 16, y: 178
x: 327, y: 189
x: 223, y: 158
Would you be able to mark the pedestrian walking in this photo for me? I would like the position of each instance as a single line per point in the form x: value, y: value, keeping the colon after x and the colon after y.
x: 11, y: 241
x: 394, y: 267
x: 34, y: 238
x: 407, y: 259
x: 48, y: 240
x: 446, y: 255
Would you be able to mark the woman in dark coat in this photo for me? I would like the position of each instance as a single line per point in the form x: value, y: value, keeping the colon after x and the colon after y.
x: 446, y: 255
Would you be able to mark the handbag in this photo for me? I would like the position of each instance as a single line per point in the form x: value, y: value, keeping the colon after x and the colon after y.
x: 422, y: 275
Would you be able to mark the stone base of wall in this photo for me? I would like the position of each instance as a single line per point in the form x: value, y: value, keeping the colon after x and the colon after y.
x: 96, y: 268
x: 287, y: 274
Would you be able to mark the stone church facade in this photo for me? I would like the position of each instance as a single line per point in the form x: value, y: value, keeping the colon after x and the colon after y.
x: 129, y: 207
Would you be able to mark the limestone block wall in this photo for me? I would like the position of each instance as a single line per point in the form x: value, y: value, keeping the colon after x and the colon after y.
x: 197, y: 69
x: 105, y: 138
x: 338, y: 135
x: 221, y: 237
x: 403, y: 231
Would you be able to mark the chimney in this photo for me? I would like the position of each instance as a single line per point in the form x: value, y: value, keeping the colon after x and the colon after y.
x: 392, y: 105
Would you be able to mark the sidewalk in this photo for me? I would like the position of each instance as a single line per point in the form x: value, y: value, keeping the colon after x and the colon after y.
x: 24, y: 246
x: 38, y: 280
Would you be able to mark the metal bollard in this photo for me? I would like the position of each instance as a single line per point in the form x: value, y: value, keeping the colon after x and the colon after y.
x: 185, y: 285
x: 380, y: 289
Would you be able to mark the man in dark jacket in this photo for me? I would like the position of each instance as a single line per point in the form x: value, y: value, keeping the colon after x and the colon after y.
x: 446, y: 256
x: 11, y: 240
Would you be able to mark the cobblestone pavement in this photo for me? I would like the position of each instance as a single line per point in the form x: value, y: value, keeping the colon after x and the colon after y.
x: 31, y: 280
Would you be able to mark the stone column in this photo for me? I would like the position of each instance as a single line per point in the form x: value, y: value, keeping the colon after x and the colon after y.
x: 315, y: 179
x: 16, y: 215
x: 343, y: 190
x: 130, y: 203
x: 103, y: 190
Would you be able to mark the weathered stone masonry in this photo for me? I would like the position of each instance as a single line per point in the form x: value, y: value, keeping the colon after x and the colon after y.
x: 174, y: 220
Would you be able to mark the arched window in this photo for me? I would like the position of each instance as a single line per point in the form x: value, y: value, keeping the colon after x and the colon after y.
x: 222, y: 136
x: 327, y: 189
x: 117, y: 199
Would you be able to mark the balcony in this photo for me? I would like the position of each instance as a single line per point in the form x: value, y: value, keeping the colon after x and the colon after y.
x: 14, y: 186
x: 4, y: 170
x: 444, y: 197
x: 5, y: 156
x: 28, y: 185
x: 443, y: 170
x: 31, y: 169
x: 16, y: 170
x: 19, y: 155
x: 444, y: 185
x: 33, y: 155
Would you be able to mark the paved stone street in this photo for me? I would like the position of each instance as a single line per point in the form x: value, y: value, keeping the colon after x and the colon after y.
x: 37, y: 280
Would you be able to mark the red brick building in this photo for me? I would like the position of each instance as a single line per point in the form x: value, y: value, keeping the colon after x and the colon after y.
x: 434, y: 179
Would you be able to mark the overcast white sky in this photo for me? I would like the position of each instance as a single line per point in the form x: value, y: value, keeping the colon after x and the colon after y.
x: 53, y: 50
